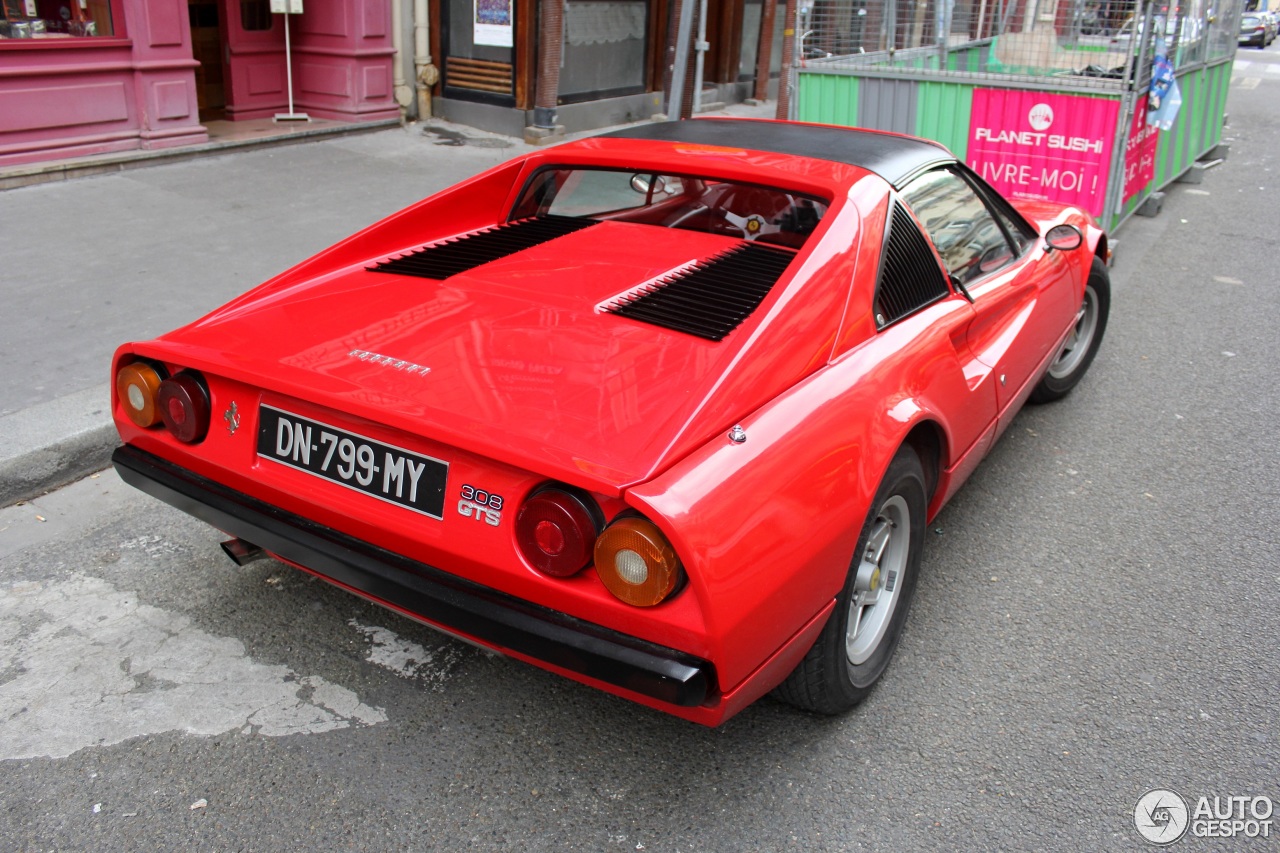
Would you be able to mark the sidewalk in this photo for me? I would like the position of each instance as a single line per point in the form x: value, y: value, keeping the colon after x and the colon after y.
x: 224, y: 136
x: 116, y: 252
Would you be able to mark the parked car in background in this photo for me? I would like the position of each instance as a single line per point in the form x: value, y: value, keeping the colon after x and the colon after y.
x: 665, y: 411
x: 1253, y: 30
x: 1271, y: 21
x: 1181, y: 35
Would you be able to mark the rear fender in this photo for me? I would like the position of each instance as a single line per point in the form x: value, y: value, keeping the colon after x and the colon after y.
x: 767, y: 527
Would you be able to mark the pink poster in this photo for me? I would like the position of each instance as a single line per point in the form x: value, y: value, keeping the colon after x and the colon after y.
x: 1044, y: 146
x: 1140, y: 152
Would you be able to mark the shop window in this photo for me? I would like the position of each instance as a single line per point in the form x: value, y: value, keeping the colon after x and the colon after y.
x: 752, y: 12
x: 780, y: 26
x: 477, y: 37
x: 55, y: 19
x: 752, y: 17
x: 604, y: 48
x: 255, y: 15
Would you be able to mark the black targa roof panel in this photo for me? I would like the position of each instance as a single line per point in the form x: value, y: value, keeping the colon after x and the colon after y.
x: 892, y: 157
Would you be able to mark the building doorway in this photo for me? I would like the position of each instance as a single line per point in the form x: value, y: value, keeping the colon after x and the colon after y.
x: 208, y: 47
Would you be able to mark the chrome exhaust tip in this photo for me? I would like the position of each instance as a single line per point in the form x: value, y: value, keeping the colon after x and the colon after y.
x: 241, y: 552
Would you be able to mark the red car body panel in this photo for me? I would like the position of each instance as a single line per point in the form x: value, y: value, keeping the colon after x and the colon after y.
x: 517, y: 349
x: 530, y: 382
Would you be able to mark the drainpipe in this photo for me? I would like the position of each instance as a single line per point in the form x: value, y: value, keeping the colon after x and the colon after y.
x: 702, y: 46
x: 425, y: 72
x: 550, y: 50
x: 789, y: 61
x: 403, y: 94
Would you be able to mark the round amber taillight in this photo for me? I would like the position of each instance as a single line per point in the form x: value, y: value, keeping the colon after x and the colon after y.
x: 137, y: 385
x: 556, y: 531
x: 636, y: 562
x: 183, y: 402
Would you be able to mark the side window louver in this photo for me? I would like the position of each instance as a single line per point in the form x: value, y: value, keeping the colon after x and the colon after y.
x: 910, y: 277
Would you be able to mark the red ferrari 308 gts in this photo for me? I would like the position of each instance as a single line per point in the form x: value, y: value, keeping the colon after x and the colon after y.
x: 665, y: 411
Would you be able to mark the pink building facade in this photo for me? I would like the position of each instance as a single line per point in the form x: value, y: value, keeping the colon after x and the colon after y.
x: 82, y: 77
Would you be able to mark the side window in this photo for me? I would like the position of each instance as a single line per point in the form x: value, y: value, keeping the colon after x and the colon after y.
x: 1015, y: 229
x: 966, y: 235
x: 1016, y: 226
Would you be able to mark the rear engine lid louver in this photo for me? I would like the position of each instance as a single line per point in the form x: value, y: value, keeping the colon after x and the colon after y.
x: 710, y: 298
x: 910, y: 277
x: 460, y: 254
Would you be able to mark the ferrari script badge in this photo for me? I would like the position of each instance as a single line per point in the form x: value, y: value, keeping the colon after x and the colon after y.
x: 390, y: 361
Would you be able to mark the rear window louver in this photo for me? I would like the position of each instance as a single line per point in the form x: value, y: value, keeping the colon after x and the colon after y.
x: 909, y: 274
x: 711, y: 298
x: 460, y: 254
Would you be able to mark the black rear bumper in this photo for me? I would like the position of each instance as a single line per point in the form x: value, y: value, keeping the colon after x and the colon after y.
x: 485, y: 614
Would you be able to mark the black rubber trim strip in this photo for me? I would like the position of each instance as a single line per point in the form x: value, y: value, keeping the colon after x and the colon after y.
x: 452, y: 602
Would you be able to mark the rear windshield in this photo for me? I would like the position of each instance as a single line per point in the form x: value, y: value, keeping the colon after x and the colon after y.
x: 764, y: 214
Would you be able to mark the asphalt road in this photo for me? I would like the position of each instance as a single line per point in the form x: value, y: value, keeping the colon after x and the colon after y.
x: 1097, y: 616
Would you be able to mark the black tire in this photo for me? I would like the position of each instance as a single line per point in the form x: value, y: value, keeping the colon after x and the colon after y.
x: 1073, y: 360
x: 828, y: 680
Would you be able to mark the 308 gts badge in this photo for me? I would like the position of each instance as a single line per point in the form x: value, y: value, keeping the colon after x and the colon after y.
x: 480, y: 505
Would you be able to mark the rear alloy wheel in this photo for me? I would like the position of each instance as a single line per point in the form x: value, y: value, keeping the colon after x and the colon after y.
x: 1073, y: 360
x: 858, y: 640
x: 875, y: 587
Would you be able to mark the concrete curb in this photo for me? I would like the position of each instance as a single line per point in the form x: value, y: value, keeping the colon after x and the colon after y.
x: 52, y: 444
x: 16, y: 177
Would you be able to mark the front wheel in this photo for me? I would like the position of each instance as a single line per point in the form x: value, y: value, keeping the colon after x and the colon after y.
x: 1077, y: 353
x: 858, y: 640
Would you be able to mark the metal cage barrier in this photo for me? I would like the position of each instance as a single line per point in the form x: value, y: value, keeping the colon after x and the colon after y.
x: 912, y: 66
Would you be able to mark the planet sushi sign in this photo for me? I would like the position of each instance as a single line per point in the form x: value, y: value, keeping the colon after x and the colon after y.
x: 1037, y: 145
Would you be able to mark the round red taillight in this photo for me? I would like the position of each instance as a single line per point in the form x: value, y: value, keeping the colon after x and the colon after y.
x: 556, y: 531
x: 183, y: 402
x: 550, y: 537
x: 137, y: 385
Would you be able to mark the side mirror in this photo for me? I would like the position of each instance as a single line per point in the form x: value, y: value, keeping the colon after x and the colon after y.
x: 644, y: 183
x: 1063, y: 238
